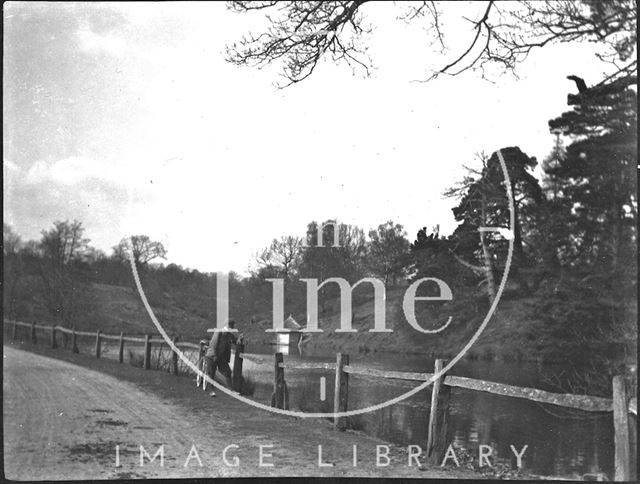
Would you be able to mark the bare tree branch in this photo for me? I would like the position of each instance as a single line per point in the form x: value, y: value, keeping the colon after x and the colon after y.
x: 301, y: 35
x: 503, y: 34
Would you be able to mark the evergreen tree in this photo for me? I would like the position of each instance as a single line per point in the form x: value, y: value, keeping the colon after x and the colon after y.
x: 432, y: 256
x: 550, y: 186
x: 594, y: 233
x: 551, y: 230
x: 483, y: 202
x: 597, y: 178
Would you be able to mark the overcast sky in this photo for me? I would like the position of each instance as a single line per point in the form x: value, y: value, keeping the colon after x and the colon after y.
x: 127, y: 118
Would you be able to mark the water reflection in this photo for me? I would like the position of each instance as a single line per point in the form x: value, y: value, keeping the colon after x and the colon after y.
x: 560, y: 443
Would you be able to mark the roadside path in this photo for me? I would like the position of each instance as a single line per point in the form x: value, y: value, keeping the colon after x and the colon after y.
x: 63, y: 421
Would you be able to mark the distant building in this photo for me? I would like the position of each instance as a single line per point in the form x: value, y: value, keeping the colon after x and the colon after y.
x: 289, y: 335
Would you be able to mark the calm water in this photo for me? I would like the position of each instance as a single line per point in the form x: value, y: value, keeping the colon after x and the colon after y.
x: 561, y: 442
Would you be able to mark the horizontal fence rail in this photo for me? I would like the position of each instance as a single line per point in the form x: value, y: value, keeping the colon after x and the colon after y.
x: 303, y: 365
x: 111, y: 337
x: 186, y: 344
x: 255, y: 358
x: 579, y: 402
x: 83, y: 333
x: 395, y: 375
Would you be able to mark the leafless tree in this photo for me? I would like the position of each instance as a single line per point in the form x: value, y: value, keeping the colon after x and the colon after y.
x: 63, y: 248
x: 353, y: 246
x: 283, y: 255
x: 13, y: 270
x: 11, y: 241
x: 64, y: 243
x: 144, y: 250
x: 502, y: 33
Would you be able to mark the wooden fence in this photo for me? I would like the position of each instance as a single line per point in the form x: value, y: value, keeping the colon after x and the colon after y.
x: 622, y: 404
x: 100, y: 338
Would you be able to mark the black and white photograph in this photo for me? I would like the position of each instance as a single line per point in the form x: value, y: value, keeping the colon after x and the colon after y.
x: 320, y: 239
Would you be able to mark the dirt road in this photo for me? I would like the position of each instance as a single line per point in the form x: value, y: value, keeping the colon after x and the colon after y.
x: 64, y: 421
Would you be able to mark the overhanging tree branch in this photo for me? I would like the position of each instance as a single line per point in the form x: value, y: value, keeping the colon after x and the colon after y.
x: 301, y: 34
x: 503, y: 34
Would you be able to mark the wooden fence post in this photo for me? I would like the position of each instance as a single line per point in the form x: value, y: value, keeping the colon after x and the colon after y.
x: 54, y: 344
x: 621, y: 430
x: 341, y: 392
x: 13, y: 331
x: 633, y: 443
x: 278, y: 400
x: 34, y: 340
x: 64, y: 339
x: 121, y: 348
x: 147, y: 352
x: 237, y: 367
x: 74, y: 341
x: 174, y: 359
x: 438, y: 416
x: 98, y: 344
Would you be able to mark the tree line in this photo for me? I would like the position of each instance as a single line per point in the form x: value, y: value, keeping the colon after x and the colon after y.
x: 574, y: 236
x: 574, y: 244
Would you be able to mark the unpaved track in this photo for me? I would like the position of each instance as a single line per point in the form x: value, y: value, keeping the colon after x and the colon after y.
x: 63, y: 421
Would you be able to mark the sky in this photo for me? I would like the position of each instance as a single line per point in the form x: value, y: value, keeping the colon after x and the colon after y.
x: 127, y: 117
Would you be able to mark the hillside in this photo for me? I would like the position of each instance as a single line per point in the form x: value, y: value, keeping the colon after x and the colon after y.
x: 512, y: 333
x: 115, y: 309
x: 120, y: 309
x: 515, y: 332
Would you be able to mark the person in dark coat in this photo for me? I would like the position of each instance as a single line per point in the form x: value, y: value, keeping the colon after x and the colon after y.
x: 218, y: 354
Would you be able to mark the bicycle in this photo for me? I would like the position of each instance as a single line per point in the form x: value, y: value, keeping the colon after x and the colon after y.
x: 202, y: 362
x: 202, y: 365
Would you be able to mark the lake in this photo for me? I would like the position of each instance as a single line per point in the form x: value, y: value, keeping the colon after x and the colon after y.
x: 561, y: 442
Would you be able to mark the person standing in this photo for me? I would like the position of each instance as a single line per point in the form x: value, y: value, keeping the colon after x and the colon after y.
x: 218, y: 354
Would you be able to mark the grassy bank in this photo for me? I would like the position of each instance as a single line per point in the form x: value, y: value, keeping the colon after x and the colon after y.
x: 517, y: 331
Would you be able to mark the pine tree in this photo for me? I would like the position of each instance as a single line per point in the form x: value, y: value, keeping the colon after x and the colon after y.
x: 597, y: 178
x: 593, y: 232
x: 484, y: 203
x: 550, y: 186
